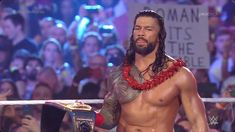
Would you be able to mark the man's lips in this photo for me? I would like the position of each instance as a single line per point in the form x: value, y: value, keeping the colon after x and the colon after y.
x: 141, y: 41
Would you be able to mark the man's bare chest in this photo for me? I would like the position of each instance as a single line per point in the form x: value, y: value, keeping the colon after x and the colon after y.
x: 158, y: 102
x: 161, y: 95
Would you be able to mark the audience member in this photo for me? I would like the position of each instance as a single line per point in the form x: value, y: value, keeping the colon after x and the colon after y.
x: 48, y: 76
x: 9, y: 86
x: 229, y: 75
x: 46, y: 25
x: 8, y: 118
x: 31, y: 120
x: 114, y: 55
x: 5, y: 55
x: 4, y: 11
x: 16, y: 69
x: 228, y: 11
x: 108, y: 34
x: 223, y: 43
x: 91, y: 45
x: 59, y: 32
x: 14, y: 29
x: 52, y: 56
x: 67, y: 10
x: 32, y: 67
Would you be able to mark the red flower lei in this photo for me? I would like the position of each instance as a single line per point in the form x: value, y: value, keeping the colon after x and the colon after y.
x: 157, y: 79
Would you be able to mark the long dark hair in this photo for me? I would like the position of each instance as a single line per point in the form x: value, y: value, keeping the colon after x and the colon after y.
x: 161, y: 57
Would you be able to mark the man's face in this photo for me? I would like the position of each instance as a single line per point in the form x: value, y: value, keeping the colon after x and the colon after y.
x: 223, y: 43
x: 91, y: 45
x: 45, y: 27
x: 59, y: 34
x: 32, y: 69
x: 17, y: 64
x: 9, y: 29
x: 112, y: 53
x: 145, y: 35
x: 50, y: 52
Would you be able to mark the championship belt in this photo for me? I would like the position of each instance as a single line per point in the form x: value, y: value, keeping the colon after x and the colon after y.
x: 82, y: 115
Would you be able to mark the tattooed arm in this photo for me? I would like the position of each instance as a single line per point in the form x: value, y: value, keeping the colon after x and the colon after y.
x: 111, y: 107
x: 110, y: 111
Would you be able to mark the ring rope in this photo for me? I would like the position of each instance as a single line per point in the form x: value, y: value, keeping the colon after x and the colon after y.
x: 91, y: 101
x: 218, y: 100
x: 39, y: 102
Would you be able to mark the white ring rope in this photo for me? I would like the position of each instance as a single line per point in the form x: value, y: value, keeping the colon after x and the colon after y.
x: 38, y: 102
x: 218, y: 100
x: 92, y: 101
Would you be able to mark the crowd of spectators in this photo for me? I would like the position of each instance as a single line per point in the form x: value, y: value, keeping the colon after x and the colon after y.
x: 64, y: 49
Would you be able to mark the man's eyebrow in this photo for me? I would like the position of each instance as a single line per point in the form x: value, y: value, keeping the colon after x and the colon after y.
x: 144, y: 26
x: 149, y: 26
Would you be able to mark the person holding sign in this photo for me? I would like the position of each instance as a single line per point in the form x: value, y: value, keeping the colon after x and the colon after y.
x: 147, y: 90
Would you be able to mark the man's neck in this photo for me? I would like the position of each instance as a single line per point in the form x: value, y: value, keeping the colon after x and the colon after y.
x: 142, y: 62
x: 18, y: 38
x: 31, y: 84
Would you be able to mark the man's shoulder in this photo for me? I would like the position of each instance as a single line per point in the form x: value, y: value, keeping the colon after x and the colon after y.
x: 115, y: 71
x: 171, y: 60
x: 28, y: 41
x: 186, y: 78
x: 185, y: 72
x: 27, y: 44
x: 178, y: 63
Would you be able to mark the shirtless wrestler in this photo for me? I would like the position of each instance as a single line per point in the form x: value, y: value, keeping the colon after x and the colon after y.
x: 147, y: 90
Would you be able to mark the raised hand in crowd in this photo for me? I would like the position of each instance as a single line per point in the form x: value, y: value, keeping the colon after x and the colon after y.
x: 4, y: 94
x: 31, y: 124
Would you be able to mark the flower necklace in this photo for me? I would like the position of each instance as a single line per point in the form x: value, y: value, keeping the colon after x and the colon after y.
x: 157, y: 79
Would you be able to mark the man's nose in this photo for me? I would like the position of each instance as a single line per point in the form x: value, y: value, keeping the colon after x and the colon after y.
x: 141, y: 33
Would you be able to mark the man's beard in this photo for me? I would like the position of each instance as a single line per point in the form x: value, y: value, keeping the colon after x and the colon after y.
x: 144, y: 50
x: 32, y: 76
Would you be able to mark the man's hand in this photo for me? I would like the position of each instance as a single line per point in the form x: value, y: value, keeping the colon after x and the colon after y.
x: 226, y: 49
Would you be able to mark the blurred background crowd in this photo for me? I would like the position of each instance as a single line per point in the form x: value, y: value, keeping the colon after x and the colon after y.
x: 63, y: 49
